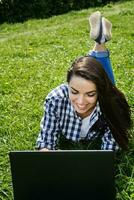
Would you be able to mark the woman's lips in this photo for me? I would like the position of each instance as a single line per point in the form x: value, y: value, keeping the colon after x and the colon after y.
x: 81, y: 107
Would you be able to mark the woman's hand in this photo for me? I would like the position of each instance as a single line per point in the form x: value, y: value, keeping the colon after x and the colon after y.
x: 44, y: 149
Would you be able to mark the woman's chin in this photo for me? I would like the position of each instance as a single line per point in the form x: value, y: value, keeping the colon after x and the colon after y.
x: 81, y: 111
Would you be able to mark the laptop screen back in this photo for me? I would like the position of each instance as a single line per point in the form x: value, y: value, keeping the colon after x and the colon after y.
x: 63, y: 175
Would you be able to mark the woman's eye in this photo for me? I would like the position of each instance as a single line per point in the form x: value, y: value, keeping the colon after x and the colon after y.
x: 74, y: 92
x: 91, y: 94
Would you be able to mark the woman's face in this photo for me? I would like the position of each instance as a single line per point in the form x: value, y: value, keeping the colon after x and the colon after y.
x: 83, y: 95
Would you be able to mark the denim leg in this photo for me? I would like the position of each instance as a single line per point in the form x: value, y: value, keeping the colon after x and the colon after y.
x: 103, y: 57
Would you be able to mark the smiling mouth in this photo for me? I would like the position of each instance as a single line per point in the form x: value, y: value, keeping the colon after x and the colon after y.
x: 81, y: 107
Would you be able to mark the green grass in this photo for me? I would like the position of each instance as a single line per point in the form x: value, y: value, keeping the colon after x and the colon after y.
x: 34, y: 58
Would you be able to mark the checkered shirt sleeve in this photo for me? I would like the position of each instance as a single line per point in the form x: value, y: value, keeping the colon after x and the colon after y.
x: 49, y: 127
x: 108, y: 141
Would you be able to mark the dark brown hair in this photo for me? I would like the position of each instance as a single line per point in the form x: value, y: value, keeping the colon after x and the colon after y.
x: 112, y: 101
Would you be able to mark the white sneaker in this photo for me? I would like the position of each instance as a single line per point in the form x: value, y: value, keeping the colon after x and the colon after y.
x: 107, y: 28
x: 95, y: 24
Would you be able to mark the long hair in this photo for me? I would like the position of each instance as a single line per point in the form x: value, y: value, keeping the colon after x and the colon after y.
x: 113, y: 103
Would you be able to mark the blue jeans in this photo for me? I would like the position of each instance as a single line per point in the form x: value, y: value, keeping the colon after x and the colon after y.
x: 103, y: 57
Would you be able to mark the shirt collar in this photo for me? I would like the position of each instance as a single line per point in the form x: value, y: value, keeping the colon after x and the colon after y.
x: 95, y: 114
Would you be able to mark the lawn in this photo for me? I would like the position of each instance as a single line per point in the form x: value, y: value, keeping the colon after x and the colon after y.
x: 34, y: 58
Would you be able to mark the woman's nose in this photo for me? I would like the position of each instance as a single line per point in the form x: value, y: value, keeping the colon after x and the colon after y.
x: 81, y: 100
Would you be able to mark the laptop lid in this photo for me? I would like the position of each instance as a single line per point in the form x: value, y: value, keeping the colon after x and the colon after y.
x: 64, y: 174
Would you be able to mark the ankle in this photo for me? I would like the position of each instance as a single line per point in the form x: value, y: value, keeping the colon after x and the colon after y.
x: 99, y: 47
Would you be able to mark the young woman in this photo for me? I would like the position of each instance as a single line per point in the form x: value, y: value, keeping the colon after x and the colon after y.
x: 88, y: 112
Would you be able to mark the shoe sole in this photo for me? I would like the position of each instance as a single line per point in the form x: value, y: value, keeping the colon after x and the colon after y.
x: 95, y: 21
x: 107, y: 27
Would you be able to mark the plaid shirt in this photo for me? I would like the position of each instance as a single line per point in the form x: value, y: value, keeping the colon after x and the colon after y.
x: 61, y: 118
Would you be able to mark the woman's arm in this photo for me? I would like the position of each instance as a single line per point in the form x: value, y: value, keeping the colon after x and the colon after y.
x: 108, y: 141
x: 47, y: 137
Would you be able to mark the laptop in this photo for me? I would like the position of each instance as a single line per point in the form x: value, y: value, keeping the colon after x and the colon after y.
x: 63, y: 174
